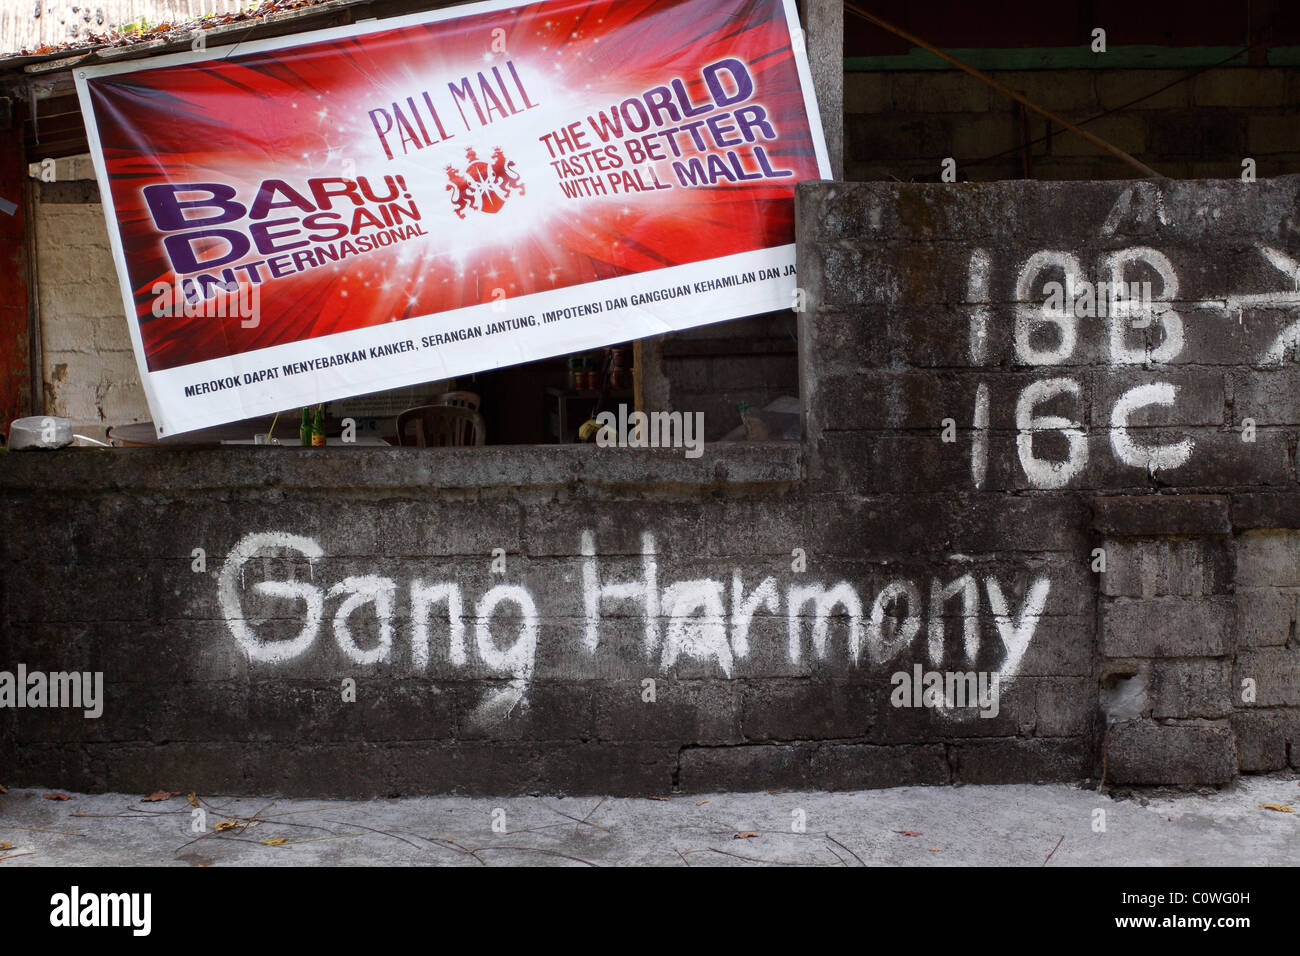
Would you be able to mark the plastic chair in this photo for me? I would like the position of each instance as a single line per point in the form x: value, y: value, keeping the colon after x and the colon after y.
x: 440, y: 426
x: 468, y: 400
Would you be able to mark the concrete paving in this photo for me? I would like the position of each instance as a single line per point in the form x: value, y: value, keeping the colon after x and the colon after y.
x: 1015, y: 825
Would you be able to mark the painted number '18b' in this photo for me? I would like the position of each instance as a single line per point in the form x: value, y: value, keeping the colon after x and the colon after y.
x: 1062, y: 317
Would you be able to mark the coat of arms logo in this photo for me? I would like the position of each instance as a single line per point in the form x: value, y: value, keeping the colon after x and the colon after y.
x: 480, y: 186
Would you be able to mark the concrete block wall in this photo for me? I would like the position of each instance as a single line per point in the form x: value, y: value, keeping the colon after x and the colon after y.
x: 89, y: 370
x: 936, y: 367
x: 582, y: 620
x: 901, y: 125
x: 1268, y: 580
x: 1167, y: 628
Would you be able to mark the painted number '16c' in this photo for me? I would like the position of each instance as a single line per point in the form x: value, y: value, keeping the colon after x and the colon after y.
x: 1059, y: 316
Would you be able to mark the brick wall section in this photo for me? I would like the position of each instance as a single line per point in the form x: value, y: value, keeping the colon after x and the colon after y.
x: 1174, y: 429
x: 901, y: 125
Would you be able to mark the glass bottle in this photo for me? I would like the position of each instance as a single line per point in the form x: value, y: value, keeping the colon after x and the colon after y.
x: 318, y: 428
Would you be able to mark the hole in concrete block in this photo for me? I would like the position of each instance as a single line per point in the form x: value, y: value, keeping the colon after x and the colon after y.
x: 1123, y: 696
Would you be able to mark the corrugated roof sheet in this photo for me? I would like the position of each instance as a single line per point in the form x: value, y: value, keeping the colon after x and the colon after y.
x: 46, y: 28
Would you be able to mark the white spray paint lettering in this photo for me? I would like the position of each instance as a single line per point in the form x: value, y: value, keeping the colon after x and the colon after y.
x: 1051, y: 295
x: 700, y: 620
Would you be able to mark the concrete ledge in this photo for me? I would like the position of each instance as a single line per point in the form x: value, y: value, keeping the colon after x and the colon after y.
x: 167, y: 469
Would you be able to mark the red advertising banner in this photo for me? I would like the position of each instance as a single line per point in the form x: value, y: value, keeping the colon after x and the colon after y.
x: 303, y: 219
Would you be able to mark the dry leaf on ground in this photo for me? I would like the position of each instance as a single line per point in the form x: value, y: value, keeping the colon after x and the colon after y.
x: 909, y: 832
x: 747, y: 835
x: 57, y: 796
x: 1279, y: 807
x: 160, y: 795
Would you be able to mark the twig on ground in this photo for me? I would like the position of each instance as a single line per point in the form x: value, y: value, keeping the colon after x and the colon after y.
x: 845, y: 849
x: 535, y: 849
x: 1055, y: 848
x: 578, y: 819
x: 371, y: 829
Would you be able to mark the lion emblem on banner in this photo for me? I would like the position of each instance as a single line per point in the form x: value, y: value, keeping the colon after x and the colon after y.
x: 480, y: 186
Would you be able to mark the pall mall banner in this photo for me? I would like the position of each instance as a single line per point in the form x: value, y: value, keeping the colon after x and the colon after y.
x: 304, y: 219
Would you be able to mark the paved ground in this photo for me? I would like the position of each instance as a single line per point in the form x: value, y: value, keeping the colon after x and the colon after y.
x: 916, y: 826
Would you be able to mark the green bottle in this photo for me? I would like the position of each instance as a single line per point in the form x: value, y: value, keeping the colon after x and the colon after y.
x: 304, y: 430
x: 318, y: 428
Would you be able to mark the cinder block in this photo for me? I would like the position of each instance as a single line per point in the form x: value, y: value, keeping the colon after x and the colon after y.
x: 1126, y: 132
x: 1150, y: 753
x: 984, y: 134
x: 1033, y: 759
x: 123, y: 400
x: 1276, y: 673
x: 85, y: 297
x: 1167, y: 627
x: 67, y: 333
x: 1266, y: 617
x: 751, y: 767
x: 938, y: 92
x: 1196, y: 135
x: 866, y: 92
x: 1061, y: 91
x: 1156, y: 515
x: 867, y: 766
x: 1064, y: 707
x: 1191, y: 688
x: 890, y: 138
x: 602, y: 768
x: 1272, y: 134
x: 808, y: 710
x: 1267, y: 396
x: 111, y: 333
x: 1268, y: 558
x: 690, y: 712
x: 1165, y: 568
x: 1240, y: 86
x: 1262, y: 740
x: 1119, y: 88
